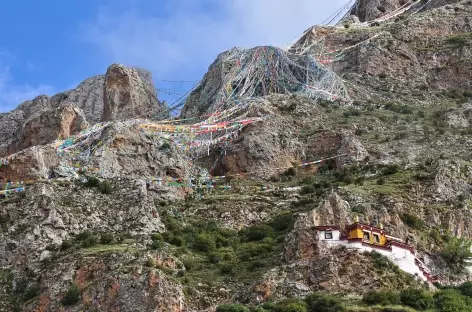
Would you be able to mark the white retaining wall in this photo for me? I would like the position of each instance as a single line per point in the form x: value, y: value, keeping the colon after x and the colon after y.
x: 401, y: 257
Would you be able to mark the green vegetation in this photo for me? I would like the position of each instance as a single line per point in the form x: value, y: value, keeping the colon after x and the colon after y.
x: 456, y: 251
x: 417, y: 298
x: 72, y: 296
x: 459, y: 40
x: 451, y: 299
x: 412, y: 221
x: 381, y: 297
x: 105, y: 186
x: 232, y: 308
x: 213, y: 254
x: 397, y: 108
x: 324, y: 303
x: 165, y: 146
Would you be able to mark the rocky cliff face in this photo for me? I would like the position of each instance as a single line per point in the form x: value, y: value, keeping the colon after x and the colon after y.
x: 127, y: 94
x: 121, y: 93
x: 89, y: 233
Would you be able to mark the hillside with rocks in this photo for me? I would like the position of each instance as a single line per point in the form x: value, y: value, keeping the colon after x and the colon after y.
x: 108, y: 204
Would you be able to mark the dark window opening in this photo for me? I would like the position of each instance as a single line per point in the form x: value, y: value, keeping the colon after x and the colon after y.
x: 367, y: 236
x: 376, y: 238
x: 328, y: 235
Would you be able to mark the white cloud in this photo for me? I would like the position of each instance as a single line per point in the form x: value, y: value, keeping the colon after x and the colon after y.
x: 182, y: 43
x: 11, y: 94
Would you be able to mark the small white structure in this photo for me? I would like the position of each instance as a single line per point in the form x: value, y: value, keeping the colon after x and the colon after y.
x: 369, y: 238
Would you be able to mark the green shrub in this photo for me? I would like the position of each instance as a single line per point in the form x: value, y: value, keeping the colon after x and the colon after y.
x: 417, y: 298
x: 172, y: 224
x: 401, y: 109
x: 105, y: 187
x: 32, y: 291
x: 205, y: 242
x: 283, y: 221
x: 412, y: 221
x: 214, y: 257
x: 358, y: 209
x: 457, y: 40
x: 188, y: 263
x: 150, y: 262
x: 90, y: 241
x: 252, y: 251
x: 221, y: 241
x: 456, y: 251
x: 307, y: 189
x: 66, y: 245
x: 92, y: 182
x: 381, y: 297
x: 379, y: 261
x: 178, y: 241
x: 466, y: 289
x: 257, y: 232
x: 106, y: 238
x: 390, y: 169
x: 156, y: 237
x: 452, y: 301
x: 165, y: 146
x: 291, y: 305
x: 359, y: 180
x: 344, y: 176
x: 72, y: 296
x: 156, y: 245
x: 324, y: 303
x: 291, y: 171
x: 227, y: 269
x: 232, y: 308
x: 84, y: 235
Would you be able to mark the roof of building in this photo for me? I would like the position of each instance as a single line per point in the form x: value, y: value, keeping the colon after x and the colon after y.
x: 328, y: 228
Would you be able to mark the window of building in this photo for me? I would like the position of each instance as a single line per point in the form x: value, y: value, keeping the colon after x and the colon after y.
x: 328, y: 235
x: 376, y: 238
x: 367, y: 236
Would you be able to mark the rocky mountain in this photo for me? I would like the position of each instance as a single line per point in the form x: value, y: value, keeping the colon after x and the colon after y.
x: 94, y: 100
x: 368, y: 120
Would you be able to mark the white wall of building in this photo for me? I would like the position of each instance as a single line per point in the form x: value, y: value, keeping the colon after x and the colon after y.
x: 335, y: 233
x: 401, y: 257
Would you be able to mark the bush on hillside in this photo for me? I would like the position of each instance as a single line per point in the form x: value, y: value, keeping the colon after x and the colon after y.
x: 283, y: 221
x: 84, y: 235
x: 90, y: 241
x: 381, y: 297
x: 257, y: 232
x: 105, y: 187
x: 205, y: 242
x: 106, y: 238
x: 92, y: 182
x: 453, y: 301
x: 291, y: 305
x: 456, y: 251
x: 307, y: 189
x: 232, y: 308
x: 417, y: 298
x: 466, y: 289
x: 324, y: 303
x: 72, y: 296
x: 390, y: 169
x: 412, y: 221
x: 66, y: 245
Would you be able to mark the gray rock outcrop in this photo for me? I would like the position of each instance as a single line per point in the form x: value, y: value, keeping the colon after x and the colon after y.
x: 128, y: 93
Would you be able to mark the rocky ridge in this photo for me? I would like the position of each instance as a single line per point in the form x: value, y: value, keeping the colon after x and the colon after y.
x: 118, y: 244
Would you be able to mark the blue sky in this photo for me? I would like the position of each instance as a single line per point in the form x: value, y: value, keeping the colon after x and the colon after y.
x: 50, y: 46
